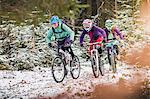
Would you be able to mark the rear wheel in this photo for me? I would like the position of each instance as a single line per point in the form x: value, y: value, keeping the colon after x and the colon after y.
x: 58, y: 69
x: 75, y: 67
x: 95, y: 66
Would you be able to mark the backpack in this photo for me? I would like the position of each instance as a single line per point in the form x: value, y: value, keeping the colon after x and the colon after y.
x: 61, y: 29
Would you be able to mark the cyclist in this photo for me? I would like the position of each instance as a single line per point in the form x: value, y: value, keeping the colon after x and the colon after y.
x: 95, y: 33
x: 62, y: 33
x: 112, y: 32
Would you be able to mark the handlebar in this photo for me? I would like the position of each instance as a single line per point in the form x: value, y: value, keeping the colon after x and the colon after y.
x: 95, y: 43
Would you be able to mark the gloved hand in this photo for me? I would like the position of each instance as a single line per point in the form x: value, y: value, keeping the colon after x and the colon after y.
x: 49, y: 45
x: 114, y: 38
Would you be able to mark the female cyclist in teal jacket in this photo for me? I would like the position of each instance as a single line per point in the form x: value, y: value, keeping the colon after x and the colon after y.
x: 62, y: 33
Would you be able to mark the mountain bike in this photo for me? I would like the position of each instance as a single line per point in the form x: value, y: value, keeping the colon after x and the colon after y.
x: 59, y: 69
x: 112, y: 53
x: 96, y: 59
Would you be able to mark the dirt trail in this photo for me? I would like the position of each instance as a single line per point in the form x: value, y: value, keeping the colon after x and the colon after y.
x: 125, y: 89
x: 139, y: 57
x: 135, y: 88
x: 122, y: 90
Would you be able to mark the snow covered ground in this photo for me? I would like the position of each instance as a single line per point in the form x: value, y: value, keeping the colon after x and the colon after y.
x: 40, y: 83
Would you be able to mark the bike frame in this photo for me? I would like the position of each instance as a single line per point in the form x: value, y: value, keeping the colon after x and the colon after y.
x: 94, y: 47
x: 66, y: 59
x: 96, y: 63
x: 95, y: 51
x: 67, y: 55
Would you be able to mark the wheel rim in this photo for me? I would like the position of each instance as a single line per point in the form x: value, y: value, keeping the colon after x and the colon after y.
x: 58, y: 69
x: 75, y: 67
x: 94, y: 66
x: 101, y: 66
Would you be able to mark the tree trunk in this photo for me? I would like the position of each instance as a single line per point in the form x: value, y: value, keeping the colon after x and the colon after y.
x: 116, y: 8
x: 94, y: 7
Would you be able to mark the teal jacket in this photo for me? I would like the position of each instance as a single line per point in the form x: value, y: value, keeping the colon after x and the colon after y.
x: 60, y: 33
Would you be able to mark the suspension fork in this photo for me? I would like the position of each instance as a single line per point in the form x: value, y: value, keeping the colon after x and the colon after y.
x: 95, y: 51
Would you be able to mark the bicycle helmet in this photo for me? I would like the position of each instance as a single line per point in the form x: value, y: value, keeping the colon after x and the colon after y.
x: 87, y: 24
x: 54, y: 19
x: 109, y: 24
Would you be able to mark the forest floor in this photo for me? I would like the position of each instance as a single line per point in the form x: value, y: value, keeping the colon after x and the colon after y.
x: 132, y: 81
x: 133, y: 75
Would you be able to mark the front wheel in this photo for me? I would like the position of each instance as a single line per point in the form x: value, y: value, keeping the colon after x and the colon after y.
x: 94, y: 63
x: 75, y: 67
x: 58, y: 69
x: 112, y: 60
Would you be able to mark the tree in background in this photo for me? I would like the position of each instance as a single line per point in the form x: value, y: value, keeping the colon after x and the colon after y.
x: 128, y: 19
x: 32, y: 12
x: 106, y: 11
x: 127, y: 15
x: 38, y: 10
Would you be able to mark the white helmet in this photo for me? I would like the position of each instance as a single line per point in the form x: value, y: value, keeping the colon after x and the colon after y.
x: 87, y: 24
x: 109, y: 24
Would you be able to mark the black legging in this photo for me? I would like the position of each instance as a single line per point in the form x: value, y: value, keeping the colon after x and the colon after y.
x: 69, y: 49
x: 62, y: 43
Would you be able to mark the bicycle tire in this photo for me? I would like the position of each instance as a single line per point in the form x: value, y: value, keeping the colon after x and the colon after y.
x: 95, y: 67
x: 59, y: 67
x: 74, y: 74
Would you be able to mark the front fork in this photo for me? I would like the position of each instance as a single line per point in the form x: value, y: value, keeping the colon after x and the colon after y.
x: 95, y: 52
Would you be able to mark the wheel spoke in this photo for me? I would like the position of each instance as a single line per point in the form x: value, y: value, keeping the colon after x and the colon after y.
x: 58, y: 69
x: 94, y: 66
x: 75, y: 67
